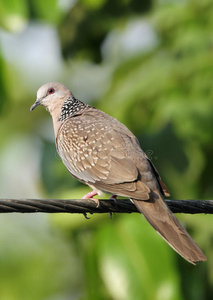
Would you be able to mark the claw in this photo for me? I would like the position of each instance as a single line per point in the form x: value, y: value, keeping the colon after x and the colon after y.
x: 85, y: 216
x: 112, y: 197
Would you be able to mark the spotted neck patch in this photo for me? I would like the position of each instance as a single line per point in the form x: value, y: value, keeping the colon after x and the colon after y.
x: 71, y: 107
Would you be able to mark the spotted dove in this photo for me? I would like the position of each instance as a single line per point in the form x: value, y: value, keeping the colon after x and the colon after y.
x: 101, y: 152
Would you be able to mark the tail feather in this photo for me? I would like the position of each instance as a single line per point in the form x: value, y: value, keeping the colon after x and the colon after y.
x: 165, y: 223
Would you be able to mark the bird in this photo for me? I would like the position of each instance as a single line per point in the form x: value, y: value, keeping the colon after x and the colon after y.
x: 103, y: 153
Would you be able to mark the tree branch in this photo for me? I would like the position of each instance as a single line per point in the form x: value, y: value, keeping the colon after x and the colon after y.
x: 84, y: 206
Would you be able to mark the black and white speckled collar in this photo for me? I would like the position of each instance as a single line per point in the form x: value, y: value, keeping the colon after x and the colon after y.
x: 71, y: 107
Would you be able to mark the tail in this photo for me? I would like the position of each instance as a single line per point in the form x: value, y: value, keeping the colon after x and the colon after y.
x: 165, y: 223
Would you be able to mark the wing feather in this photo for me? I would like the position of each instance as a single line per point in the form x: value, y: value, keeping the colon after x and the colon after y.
x: 105, y: 154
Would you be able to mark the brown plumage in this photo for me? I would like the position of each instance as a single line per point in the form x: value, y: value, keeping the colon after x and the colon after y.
x: 102, y: 153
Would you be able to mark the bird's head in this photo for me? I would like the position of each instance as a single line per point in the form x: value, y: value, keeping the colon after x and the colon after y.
x: 52, y: 96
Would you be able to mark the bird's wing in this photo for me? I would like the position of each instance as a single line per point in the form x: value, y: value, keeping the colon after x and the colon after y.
x: 99, y: 153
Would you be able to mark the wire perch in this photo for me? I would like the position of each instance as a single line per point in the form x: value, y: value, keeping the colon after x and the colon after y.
x: 84, y: 206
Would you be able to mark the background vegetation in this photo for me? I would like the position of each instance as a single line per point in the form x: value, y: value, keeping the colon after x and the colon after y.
x: 147, y: 63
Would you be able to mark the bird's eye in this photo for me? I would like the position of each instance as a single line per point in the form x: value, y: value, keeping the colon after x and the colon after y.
x: 50, y: 91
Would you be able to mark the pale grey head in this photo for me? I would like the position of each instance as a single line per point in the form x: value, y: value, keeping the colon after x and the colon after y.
x: 51, y: 94
x: 58, y: 100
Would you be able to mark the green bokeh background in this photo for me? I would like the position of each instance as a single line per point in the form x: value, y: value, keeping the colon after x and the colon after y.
x: 150, y: 65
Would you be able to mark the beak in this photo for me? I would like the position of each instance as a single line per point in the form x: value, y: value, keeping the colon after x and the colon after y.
x: 37, y: 102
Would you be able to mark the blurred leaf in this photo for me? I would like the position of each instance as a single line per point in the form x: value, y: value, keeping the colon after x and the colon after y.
x: 46, y: 10
x: 130, y: 257
x: 2, y: 84
x: 26, y: 260
x: 88, y: 22
x: 13, y: 15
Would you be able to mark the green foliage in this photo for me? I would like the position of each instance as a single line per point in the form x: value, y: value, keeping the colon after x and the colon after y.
x: 2, y: 78
x: 83, y: 30
x: 163, y: 94
x: 47, y: 11
x: 13, y: 14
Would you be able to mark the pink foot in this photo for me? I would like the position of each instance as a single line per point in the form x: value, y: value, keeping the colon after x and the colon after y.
x: 90, y: 195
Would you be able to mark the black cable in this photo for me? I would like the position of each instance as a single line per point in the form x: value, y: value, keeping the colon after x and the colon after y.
x: 84, y: 206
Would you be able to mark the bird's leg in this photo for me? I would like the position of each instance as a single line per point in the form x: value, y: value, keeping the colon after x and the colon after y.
x: 90, y: 195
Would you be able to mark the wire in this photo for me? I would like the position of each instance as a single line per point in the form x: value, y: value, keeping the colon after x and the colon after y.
x: 84, y: 206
